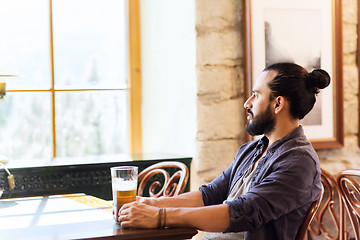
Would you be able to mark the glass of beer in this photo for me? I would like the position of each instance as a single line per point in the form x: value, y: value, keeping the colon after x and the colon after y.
x: 124, y: 186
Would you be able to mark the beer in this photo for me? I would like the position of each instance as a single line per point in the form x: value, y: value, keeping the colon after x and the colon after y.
x: 122, y: 197
x: 124, y: 185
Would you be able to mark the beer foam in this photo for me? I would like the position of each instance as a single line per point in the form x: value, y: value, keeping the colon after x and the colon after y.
x: 121, y: 185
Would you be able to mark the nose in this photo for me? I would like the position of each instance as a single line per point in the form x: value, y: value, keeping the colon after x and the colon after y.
x: 248, y: 102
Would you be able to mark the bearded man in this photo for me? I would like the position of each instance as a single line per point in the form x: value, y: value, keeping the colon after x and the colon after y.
x: 267, y: 190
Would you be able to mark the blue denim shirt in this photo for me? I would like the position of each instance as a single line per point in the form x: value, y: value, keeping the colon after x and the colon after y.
x: 285, y: 183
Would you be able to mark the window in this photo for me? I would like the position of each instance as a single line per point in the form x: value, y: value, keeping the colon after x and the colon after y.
x: 77, y: 91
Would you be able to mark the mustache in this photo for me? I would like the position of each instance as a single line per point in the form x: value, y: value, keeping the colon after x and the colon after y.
x: 250, y: 112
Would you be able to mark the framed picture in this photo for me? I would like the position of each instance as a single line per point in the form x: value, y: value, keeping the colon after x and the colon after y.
x: 306, y: 32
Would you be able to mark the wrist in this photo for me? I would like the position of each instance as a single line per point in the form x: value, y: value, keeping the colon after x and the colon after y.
x: 159, y: 202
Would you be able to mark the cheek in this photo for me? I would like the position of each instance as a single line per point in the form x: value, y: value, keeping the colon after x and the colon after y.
x: 259, y: 107
x: 256, y: 107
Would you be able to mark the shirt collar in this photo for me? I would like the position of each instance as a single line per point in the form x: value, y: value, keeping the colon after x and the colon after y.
x: 264, y: 141
x: 293, y: 134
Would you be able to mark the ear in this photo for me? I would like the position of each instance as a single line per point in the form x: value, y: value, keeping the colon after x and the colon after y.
x: 279, y: 103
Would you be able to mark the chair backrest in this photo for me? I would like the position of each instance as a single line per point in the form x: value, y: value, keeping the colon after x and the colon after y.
x: 349, y: 185
x: 309, y: 216
x: 171, y: 186
x: 329, y: 205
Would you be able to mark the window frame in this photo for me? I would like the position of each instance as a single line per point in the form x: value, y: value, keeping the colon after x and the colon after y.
x: 133, y: 80
x: 134, y: 60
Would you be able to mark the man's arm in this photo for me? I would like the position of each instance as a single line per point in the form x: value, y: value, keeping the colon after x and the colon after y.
x: 213, y: 218
x: 189, y: 199
x: 187, y: 210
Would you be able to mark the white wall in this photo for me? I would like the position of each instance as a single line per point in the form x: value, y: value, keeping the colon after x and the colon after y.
x: 168, y: 61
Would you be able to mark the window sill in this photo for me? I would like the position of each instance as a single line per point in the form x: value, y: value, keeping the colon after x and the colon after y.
x: 90, y: 175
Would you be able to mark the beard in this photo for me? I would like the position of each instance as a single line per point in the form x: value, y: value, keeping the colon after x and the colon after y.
x: 264, y: 123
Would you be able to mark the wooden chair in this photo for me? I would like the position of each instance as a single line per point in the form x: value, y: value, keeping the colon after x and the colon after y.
x: 329, y: 204
x: 349, y: 185
x: 309, y: 216
x: 171, y: 186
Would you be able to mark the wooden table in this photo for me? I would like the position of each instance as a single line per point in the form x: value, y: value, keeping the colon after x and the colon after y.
x: 74, y: 216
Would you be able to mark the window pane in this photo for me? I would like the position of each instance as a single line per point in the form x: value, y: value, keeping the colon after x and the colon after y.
x: 89, y: 43
x: 24, y: 43
x: 91, y: 123
x: 25, y: 123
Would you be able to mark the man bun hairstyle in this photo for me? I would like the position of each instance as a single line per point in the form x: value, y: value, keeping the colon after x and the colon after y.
x: 297, y: 85
x: 318, y: 79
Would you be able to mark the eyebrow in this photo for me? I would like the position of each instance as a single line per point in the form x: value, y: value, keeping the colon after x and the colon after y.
x: 255, y: 91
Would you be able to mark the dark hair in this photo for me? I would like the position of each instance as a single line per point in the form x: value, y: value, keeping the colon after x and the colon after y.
x: 298, y: 86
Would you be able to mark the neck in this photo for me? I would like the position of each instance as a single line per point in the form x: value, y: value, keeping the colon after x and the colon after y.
x: 282, y: 129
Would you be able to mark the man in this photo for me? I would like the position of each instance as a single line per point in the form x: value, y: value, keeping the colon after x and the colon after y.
x: 271, y: 183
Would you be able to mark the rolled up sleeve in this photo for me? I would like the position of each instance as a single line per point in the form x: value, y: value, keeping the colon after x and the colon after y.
x: 286, y: 188
x: 216, y: 192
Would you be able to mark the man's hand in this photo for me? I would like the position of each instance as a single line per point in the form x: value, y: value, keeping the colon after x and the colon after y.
x: 138, y: 215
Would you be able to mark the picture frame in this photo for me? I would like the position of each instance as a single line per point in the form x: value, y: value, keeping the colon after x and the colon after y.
x: 309, y: 33
x: 358, y: 57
